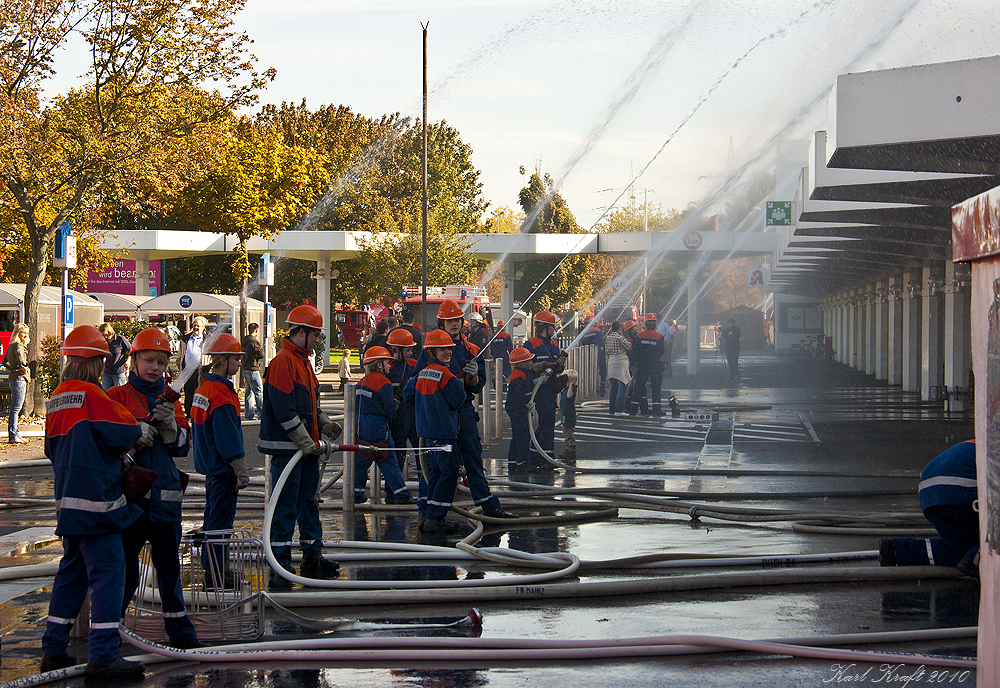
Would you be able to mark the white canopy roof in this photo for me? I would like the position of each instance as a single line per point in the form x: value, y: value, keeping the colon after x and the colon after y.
x: 196, y: 302
x: 119, y: 304
x: 12, y: 296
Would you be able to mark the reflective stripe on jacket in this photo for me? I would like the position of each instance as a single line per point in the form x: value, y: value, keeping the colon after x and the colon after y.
x: 86, y: 432
x: 291, y: 398
x: 164, y: 500
x: 216, y: 432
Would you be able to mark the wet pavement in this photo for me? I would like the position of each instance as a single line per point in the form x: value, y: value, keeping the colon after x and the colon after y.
x: 848, y: 450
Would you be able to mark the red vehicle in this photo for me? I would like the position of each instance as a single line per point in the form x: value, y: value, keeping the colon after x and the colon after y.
x: 355, y: 325
x: 472, y: 299
x: 622, y: 314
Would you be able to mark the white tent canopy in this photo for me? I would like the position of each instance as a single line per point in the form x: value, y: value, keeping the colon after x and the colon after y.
x: 192, y: 303
x: 119, y: 304
x: 86, y: 311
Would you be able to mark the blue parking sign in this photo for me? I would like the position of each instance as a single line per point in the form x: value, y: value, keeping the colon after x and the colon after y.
x: 69, y: 309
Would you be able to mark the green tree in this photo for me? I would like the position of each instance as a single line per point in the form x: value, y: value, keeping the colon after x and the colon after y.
x: 258, y: 187
x: 546, y: 211
x: 140, y: 103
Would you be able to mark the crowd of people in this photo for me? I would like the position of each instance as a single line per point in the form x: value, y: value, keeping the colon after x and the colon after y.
x: 418, y: 391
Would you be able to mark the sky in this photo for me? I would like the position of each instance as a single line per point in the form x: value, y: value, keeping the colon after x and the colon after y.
x: 686, y: 98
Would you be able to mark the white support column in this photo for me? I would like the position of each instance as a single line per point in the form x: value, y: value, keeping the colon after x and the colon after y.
x: 693, y: 331
x: 142, y: 273
x: 911, y: 331
x: 841, y: 342
x: 895, y: 367
x: 881, y: 331
x: 869, y: 333
x: 507, y: 291
x: 931, y: 311
x: 957, y: 332
x: 323, y: 297
x: 852, y: 331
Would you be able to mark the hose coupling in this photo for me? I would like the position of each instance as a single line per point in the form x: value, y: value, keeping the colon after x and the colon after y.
x: 693, y: 513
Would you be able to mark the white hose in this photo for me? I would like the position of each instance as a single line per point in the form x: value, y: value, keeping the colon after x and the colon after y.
x: 570, y: 563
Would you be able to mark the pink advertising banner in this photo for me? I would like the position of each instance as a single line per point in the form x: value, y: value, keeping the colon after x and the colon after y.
x: 120, y: 278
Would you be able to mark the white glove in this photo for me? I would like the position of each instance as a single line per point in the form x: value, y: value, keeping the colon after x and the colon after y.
x: 329, y: 427
x: 240, y: 469
x: 148, y: 435
x: 301, y: 437
x: 471, y: 368
x: 165, y: 420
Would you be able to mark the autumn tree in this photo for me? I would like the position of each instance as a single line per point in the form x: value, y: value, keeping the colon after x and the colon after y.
x: 140, y: 101
x: 258, y: 187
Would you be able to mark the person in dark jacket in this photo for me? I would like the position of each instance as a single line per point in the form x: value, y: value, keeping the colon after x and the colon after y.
x: 218, y: 452
x: 516, y: 404
x: 437, y: 396
x: 948, y: 493
x: 479, y: 335
x: 731, y: 346
x: 292, y: 421
x: 375, y: 411
x: 116, y: 364
x: 85, y: 435
x: 415, y: 332
x: 18, y: 376
x: 159, y: 524
x: 253, y: 385
x: 501, y: 347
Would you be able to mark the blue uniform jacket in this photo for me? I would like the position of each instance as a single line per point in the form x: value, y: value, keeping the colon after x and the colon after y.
x: 502, y: 345
x: 463, y: 351
x: 437, y: 395
x: 216, y: 429
x: 139, y: 397
x: 648, y: 349
x: 399, y: 375
x: 376, y: 408
x: 85, y: 435
x: 518, y: 393
x: 546, y: 352
x: 593, y: 337
x: 291, y: 398
x: 950, y: 478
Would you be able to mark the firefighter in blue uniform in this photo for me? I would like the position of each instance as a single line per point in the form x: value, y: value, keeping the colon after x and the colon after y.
x: 516, y: 405
x: 375, y: 409
x: 293, y: 421
x: 549, y: 362
x: 594, y: 337
x: 500, y: 348
x: 85, y: 434
x: 948, y: 492
x: 160, y: 522
x: 404, y: 425
x: 471, y: 370
x: 437, y: 396
x: 217, y: 437
x: 648, y: 349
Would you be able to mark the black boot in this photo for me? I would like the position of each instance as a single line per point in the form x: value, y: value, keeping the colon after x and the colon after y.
x: 315, y: 566
x: 276, y: 583
x: 115, y: 668
x: 59, y: 661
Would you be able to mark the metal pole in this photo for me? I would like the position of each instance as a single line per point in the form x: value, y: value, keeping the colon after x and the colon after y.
x: 423, y: 219
x: 498, y: 424
x: 485, y: 396
x: 65, y: 288
x: 349, y: 438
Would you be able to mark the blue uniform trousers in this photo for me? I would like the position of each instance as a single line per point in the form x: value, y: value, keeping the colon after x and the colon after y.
x: 958, y: 527
x: 442, y: 474
x: 296, y: 504
x: 470, y: 453
x: 545, y: 405
x: 220, y: 513
x: 97, y: 562
x: 389, y: 470
x: 520, y: 441
x: 164, y: 538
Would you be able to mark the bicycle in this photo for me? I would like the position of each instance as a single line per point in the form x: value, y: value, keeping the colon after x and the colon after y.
x: 813, y: 347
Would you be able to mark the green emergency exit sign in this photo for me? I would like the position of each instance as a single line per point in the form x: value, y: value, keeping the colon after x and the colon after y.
x: 778, y: 213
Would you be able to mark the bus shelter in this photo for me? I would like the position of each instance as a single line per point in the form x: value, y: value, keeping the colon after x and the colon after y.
x: 223, y: 307
x: 119, y: 305
x: 86, y: 311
